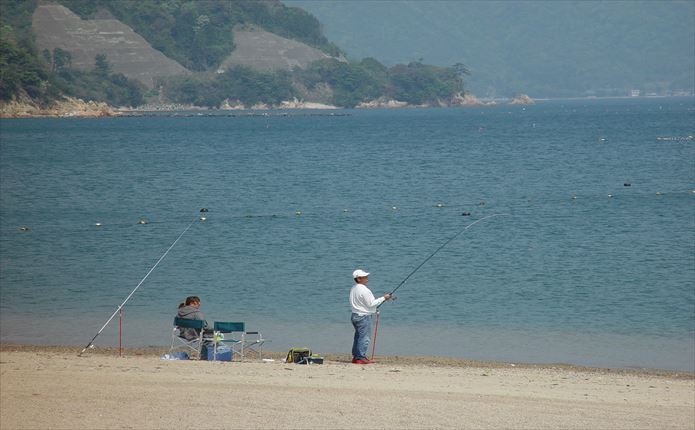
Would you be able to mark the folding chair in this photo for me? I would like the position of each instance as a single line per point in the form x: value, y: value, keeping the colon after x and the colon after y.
x: 254, y: 344
x: 190, y: 346
x: 240, y: 341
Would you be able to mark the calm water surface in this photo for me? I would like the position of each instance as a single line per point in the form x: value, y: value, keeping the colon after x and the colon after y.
x: 583, y: 269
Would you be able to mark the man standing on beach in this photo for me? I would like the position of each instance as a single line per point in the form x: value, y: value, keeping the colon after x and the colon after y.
x: 363, y: 305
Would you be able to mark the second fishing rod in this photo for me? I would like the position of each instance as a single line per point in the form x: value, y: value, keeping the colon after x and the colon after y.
x: 376, y: 325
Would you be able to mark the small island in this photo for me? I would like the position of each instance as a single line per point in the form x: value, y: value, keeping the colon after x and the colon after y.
x: 521, y: 99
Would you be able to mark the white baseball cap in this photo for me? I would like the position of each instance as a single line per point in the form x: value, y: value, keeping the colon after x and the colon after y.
x: 359, y: 273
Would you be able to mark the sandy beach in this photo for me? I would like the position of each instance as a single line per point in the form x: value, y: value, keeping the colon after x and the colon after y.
x: 52, y: 387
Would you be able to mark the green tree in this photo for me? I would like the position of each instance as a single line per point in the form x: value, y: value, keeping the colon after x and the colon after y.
x: 419, y: 83
x: 62, y: 60
x: 20, y: 71
x: 102, y: 67
x: 461, y: 71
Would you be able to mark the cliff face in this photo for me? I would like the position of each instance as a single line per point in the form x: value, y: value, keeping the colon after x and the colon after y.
x: 262, y: 50
x: 128, y: 53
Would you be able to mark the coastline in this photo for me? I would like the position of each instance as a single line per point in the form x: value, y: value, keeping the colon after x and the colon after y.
x: 51, y: 386
x: 77, y: 108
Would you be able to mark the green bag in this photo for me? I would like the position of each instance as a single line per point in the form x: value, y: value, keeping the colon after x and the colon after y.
x: 298, y: 355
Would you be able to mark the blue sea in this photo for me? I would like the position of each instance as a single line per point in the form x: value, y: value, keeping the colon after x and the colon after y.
x: 592, y: 263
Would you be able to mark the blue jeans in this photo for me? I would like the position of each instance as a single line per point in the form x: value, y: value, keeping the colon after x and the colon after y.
x: 363, y: 329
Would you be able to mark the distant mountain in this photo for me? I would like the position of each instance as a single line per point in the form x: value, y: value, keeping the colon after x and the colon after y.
x: 543, y: 48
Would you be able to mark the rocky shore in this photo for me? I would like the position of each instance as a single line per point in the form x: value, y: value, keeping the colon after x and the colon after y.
x: 72, y: 107
x: 69, y: 107
x: 521, y: 99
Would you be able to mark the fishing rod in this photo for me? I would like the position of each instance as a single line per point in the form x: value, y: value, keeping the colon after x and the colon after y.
x: 376, y: 326
x: 203, y: 212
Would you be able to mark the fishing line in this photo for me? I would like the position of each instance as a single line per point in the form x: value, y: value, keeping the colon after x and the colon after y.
x: 118, y: 309
x: 376, y: 327
x: 440, y: 248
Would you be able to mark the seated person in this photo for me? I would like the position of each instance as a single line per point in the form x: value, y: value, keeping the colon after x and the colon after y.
x: 190, y: 310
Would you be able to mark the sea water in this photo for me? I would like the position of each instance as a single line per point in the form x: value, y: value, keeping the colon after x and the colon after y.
x: 592, y: 263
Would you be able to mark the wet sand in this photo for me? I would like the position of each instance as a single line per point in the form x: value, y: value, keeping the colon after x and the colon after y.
x: 52, y: 387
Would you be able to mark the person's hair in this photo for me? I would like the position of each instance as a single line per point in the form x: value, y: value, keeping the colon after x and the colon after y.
x: 192, y: 299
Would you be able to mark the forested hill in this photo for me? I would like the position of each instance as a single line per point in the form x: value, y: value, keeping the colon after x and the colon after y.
x: 198, y: 33
x: 46, y: 50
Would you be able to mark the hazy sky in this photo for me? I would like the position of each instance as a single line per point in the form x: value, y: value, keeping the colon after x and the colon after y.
x: 516, y: 45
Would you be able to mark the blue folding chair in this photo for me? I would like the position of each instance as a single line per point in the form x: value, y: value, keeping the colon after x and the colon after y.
x: 192, y: 346
x: 239, y: 340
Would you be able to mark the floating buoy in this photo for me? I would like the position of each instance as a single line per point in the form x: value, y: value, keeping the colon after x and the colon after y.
x: 610, y: 195
x: 142, y: 221
x: 98, y: 224
x: 574, y: 197
x: 627, y: 184
x: 395, y: 208
x: 466, y: 214
x: 24, y: 228
x: 204, y: 210
x: 658, y: 193
x: 346, y: 210
x: 440, y: 205
x: 298, y: 213
x: 202, y: 218
x: 481, y: 204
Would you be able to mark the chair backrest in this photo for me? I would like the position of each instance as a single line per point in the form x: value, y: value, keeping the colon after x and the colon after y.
x: 186, y: 323
x: 229, y: 327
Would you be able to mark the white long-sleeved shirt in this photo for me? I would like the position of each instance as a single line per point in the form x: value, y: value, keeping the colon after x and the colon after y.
x: 362, y: 300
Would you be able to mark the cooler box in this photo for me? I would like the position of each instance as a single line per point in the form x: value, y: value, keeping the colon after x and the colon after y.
x: 224, y: 353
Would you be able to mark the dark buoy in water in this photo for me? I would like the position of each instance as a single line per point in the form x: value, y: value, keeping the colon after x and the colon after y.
x: 627, y: 184
x: 142, y: 221
x: 203, y: 211
x: 24, y: 228
x: 466, y: 214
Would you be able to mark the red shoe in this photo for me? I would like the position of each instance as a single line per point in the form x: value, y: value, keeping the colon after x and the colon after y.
x: 361, y: 361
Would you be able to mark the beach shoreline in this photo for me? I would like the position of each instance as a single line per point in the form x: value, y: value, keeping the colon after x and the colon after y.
x: 423, y: 360
x: 52, y: 386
